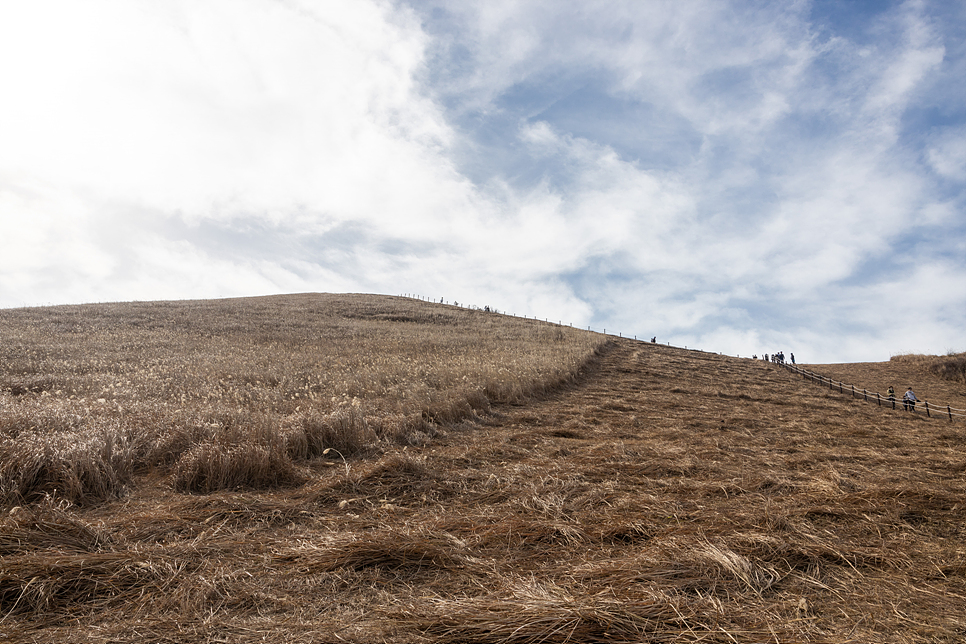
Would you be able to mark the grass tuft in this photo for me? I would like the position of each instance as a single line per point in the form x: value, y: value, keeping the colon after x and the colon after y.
x: 81, y: 468
x: 215, y: 465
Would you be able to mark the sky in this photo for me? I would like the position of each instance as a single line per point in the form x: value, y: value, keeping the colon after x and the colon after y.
x: 742, y: 176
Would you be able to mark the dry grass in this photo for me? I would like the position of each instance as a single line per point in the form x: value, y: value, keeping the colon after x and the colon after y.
x: 532, y: 613
x: 237, y: 392
x: 949, y: 367
x: 662, y: 496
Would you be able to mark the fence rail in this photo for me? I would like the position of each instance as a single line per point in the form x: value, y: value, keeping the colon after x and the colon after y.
x: 930, y: 409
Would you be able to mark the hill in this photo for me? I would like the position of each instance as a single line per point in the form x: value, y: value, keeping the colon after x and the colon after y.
x: 230, y: 392
x: 655, y: 495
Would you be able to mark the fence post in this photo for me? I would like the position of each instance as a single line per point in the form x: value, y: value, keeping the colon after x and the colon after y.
x: 927, y: 408
x: 865, y: 395
x: 853, y: 391
x: 877, y: 399
x: 950, y: 412
x: 840, y: 386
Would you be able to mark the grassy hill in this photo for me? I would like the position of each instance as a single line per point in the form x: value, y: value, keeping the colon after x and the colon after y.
x: 497, y: 480
x: 239, y: 392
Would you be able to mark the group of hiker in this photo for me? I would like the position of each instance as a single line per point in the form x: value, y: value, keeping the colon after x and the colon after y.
x: 909, y: 399
x: 778, y: 358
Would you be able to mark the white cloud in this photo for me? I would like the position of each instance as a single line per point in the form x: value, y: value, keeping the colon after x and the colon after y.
x: 219, y: 108
x: 714, y: 172
x: 541, y: 136
x: 121, y: 115
x: 947, y: 153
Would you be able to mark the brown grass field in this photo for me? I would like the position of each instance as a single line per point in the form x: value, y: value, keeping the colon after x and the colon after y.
x: 322, y: 468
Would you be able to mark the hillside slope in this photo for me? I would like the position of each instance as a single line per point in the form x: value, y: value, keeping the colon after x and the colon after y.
x: 241, y: 391
x: 668, y: 495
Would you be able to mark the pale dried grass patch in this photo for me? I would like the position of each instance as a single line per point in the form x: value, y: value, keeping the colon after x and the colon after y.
x: 306, y: 373
x: 532, y: 612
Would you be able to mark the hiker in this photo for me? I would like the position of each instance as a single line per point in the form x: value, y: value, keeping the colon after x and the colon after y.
x: 909, y: 400
x: 653, y: 339
x: 793, y: 358
x: 766, y: 357
x: 891, y: 393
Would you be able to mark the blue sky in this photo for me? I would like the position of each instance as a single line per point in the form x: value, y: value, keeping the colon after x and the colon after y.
x: 742, y: 177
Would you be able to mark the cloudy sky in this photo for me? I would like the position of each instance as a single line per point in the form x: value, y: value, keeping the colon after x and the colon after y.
x: 739, y: 176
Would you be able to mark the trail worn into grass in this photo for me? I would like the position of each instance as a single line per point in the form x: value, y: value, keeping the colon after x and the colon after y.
x: 668, y: 496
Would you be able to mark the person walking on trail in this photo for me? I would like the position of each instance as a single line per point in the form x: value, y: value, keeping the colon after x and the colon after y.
x: 909, y: 400
x: 793, y: 358
x: 891, y: 393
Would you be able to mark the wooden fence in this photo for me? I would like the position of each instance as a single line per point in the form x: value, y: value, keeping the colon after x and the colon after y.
x: 930, y: 409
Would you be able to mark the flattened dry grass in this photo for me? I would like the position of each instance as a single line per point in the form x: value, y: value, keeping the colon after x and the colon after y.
x: 535, y: 613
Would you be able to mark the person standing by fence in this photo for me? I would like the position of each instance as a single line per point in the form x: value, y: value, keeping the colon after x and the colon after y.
x: 909, y: 400
x: 891, y: 393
